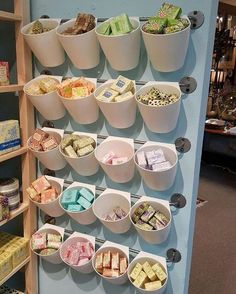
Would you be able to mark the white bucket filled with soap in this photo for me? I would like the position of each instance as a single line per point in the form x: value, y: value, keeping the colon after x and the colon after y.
x: 160, y: 115
x: 47, y: 103
x: 115, y: 155
x: 121, y: 51
x: 45, y: 46
x: 83, y: 49
x: 157, y: 164
x: 121, y: 114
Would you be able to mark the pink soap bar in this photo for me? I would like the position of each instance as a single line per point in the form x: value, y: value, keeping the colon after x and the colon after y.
x: 74, y: 257
x: 161, y: 166
x: 41, y: 184
x: 107, y: 159
x: 39, y: 241
x: 119, y: 160
x: 83, y: 261
x: 48, y: 195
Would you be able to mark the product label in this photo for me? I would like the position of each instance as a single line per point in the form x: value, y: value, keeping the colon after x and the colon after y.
x: 9, y: 144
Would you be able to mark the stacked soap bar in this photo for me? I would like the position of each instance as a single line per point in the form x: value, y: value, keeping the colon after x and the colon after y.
x: 42, y: 191
x: 112, y: 158
x: 148, y: 218
x: 155, y: 97
x: 46, y: 243
x: 111, y: 264
x: 38, y: 28
x: 77, y: 199
x: 118, y: 25
x: 75, y: 88
x: 4, y: 208
x: 42, y: 86
x: 149, y: 276
x: 121, y: 89
x: 116, y: 214
x: 9, y: 136
x: 77, y: 146
x: 83, y: 24
x: 153, y: 160
x: 78, y: 253
x: 167, y: 21
x: 42, y: 141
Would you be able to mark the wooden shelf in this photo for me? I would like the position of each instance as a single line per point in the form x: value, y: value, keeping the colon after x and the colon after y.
x: 13, y: 154
x: 15, y: 270
x: 11, y: 88
x: 8, y: 16
x: 23, y: 207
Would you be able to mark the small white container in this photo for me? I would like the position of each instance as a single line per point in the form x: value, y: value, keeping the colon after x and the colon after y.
x: 83, y: 110
x: 113, y: 247
x: 122, y: 147
x: 45, y: 46
x: 106, y: 202
x: 83, y: 50
x: 51, y: 229
x: 159, y: 180
x: 74, y: 238
x: 51, y: 159
x: 86, y: 165
x: 85, y: 217
x: 143, y: 257
x: 120, y: 115
x: 49, y: 105
x: 9, y: 187
x: 167, y: 52
x: 122, y: 51
x: 52, y: 208
x: 154, y: 236
x: 160, y: 119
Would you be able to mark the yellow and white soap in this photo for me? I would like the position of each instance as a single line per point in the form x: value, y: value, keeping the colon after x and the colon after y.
x: 161, y: 274
x: 122, y: 85
x: 107, y: 95
x: 9, y: 136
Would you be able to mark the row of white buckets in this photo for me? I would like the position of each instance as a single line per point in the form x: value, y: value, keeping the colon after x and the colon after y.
x: 103, y: 205
x: 166, y: 52
x: 88, y: 165
x: 89, y: 267
x: 121, y: 115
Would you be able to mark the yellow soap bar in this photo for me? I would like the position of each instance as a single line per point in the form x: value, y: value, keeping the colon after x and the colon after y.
x: 148, y: 270
x: 153, y: 285
x: 124, y: 96
x: 107, y: 95
x: 122, y: 85
x: 141, y: 279
x: 9, y: 136
x: 5, y: 265
x: 159, y: 271
x: 136, y: 270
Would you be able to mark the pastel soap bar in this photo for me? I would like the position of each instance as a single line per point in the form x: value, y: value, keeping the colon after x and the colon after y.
x: 159, y: 271
x: 141, y: 279
x: 48, y: 195
x: 119, y: 160
x: 86, y: 194
x: 41, y: 184
x: 124, y: 96
x: 121, y: 24
x: 169, y: 11
x: 122, y: 85
x: 148, y: 270
x: 161, y: 166
x: 74, y: 207
x: 69, y: 197
x: 84, y: 202
x: 69, y: 151
x: 136, y: 271
x: 107, y: 95
x: 85, y: 151
x: 153, y: 285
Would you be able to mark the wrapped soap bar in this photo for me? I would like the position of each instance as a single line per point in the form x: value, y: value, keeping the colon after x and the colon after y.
x: 161, y: 218
x: 69, y: 197
x: 48, y: 251
x: 124, y: 96
x: 120, y: 212
x: 80, y: 92
x: 107, y: 159
x: 53, y: 244
x: 39, y: 241
x: 149, y: 272
x: 4, y: 73
x: 105, y: 28
x: 121, y: 25
x: 48, y: 195
x: 161, y: 166
x: 74, y: 207
x: 69, y: 151
x: 84, y: 202
x: 5, y: 265
x: 119, y: 160
x: 153, y: 285
x: 83, y: 24
x: 115, y: 260
x: 148, y: 214
x: 107, y: 95
x: 53, y: 238
x: 9, y: 136
x: 155, y: 25
x: 48, y: 84
x: 136, y: 271
x: 156, y: 224
x: 66, y: 141
x: 107, y: 272
x: 155, y: 156
x: 122, y: 85
x: 123, y: 265
x: 49, y: 143
x: 169, y: 11
x: 141, y: 279
x: 159, y: 271
x: 86, y: 194
x: 41, y: 184
x: 85, y: 150
x: 107, y: 259
x: 141, y: 159
x: 99, y: 262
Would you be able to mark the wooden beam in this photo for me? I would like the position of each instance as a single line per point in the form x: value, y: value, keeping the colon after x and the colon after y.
x: 8, y: 16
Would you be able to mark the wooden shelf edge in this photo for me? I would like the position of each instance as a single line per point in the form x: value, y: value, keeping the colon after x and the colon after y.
x: 15, y: 270
x: 13, y: 154
x: 11, y: 88
x: 8, y: 16
x: 23, y: 207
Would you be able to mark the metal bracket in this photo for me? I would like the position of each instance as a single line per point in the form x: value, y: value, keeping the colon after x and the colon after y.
x: 173, y: 255
x: 48, y: 124
x: 46, y: 72
x: 196, y: 18
x: 49, y: 219
x: 188, y: 85
x: 49, y: 172
x: 178, y: 200
x: 182, y: 145
x: 44, y: 16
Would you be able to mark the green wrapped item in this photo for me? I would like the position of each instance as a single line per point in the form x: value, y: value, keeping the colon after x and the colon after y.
x: 185, y: 22
x: 169, y: 11
x: 155, y: 25
x: 105, y: 28
x: 121, y: 24
x: 175, y: 25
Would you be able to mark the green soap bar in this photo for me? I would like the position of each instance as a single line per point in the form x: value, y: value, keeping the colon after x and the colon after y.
x: 105, y: 28
x: 87, y: 194
x: 155, y: 25
x: 169, y: 11
x: 69, y: 197
x: 84, y: 202
x: 75, y: 207
x: 121, y: 24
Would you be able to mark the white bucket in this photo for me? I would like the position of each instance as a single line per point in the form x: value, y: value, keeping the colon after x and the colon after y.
x: 122, y: 147
x: 120, y: 115
x: 155, y: 236
x: 113, y: 247
x: 83, y: 110
x: 85, y: 217
x: 86, y: 165
x: 51, y: 229
x: 74, y: 238
x: 122, y: 51
x: 159, y: 180
x: 51, y: 159
x: 83, y: 50
x: 45, y: 46
x: 142, y: 257
x: 52, y: 208
x: 160, y: 119
x: 106, y: 202
x: 167, y: 52
x: 49, y: 105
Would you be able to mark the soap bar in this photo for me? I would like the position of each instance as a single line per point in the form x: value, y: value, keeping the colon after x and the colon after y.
x: 83, y: 142
x: 85, y: 151
x: 136, y: 271
x: 159, y: 271
x: 39, y: 241
x: 48, y: 84
x: 9, y: 136
x: 115, y: 260
x: 155, y: 25
x: 107, y: 95
x: 122, y: 85
x: 53, y: 238
x: 66, y: 141
x: 99, y: 262
x: 69, y: 197
x: 49, y: 143
x: 53, y: 244
x: 119, y: 160
x: 39, y: 135
x: 4, y: 208
x: 121, y: 24
x: 105, y: 28
x: 161, y: 218
x: 148, y: 214
x: 124, y: 96
x: 107, y: 259
x: 141, y: 159
x: 153, y: 285
x: 148, y: 270
x: 169, y: 11
x: 120, y: 212
x: 107, y: 159
x: 141, y: 279
x: 86, y: 194
x: 32, y: 193
x: 155, y: 156
x: 48, y: 195
x: 123, y: 265
x: 107, y: 272
x: 41, y: 184
x: 84, y: 202
x: 48, y: 251
x: 154, y: 222
x: 79, y: 92
x: 161, y: 166
x: 69, y: 151
x: 74, y: 207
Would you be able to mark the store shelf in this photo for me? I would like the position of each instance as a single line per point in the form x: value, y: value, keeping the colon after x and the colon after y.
x: 13, y: 154
x: 23, y: 207
x: 15, y: 271
x: 11, y: 88
x: 8, y: 16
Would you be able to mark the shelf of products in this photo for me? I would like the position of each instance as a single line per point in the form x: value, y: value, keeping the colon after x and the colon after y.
x: 13, y: 154
x: 23, y: 207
